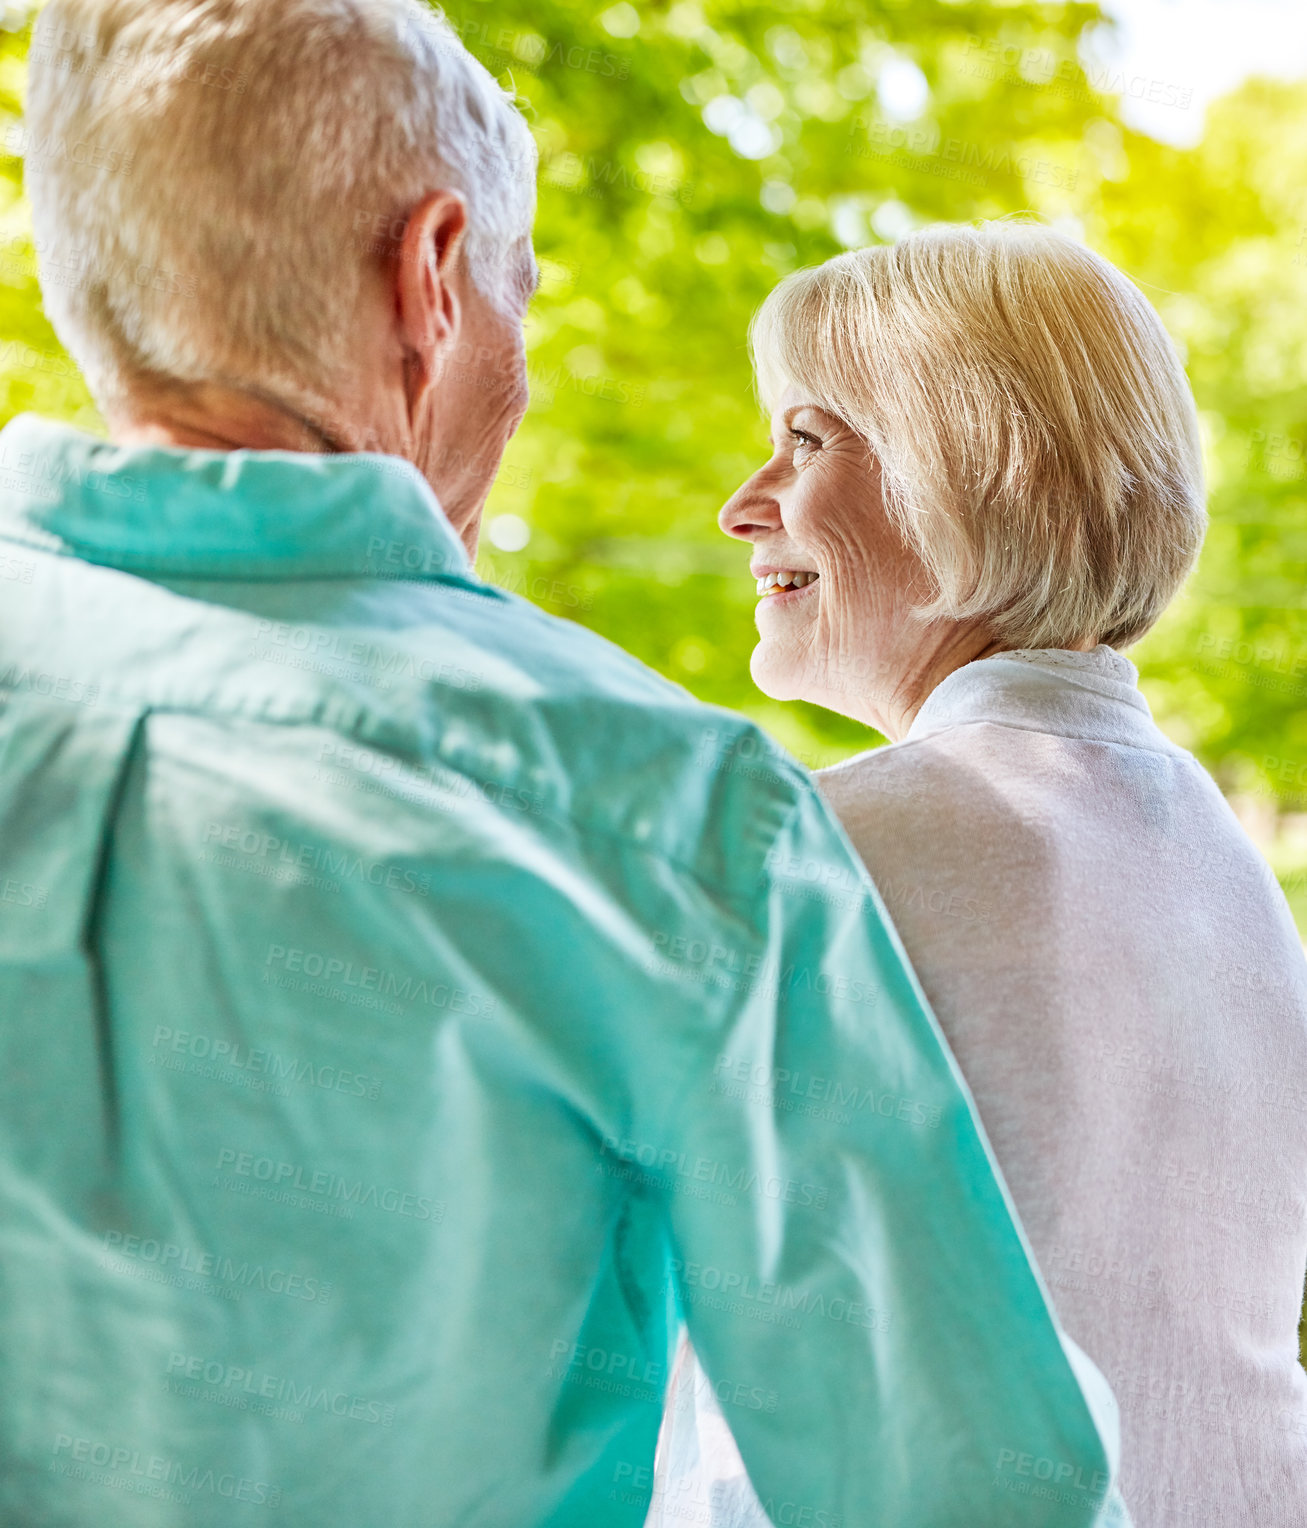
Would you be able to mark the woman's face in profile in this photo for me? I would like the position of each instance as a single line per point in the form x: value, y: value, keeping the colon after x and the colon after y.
x: 831, y: 633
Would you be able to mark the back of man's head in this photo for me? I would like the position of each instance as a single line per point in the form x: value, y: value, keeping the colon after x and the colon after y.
x: 210, y: 178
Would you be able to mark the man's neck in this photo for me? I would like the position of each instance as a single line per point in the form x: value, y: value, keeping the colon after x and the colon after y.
x: 214, y: 418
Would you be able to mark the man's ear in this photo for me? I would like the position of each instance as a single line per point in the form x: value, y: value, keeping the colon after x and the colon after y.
x: 428, y: 309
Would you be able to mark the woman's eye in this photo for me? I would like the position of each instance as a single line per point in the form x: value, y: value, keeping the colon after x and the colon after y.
x: 803, y: 441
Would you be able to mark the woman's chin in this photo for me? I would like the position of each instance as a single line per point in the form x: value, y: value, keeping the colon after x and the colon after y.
x: 775, y: 673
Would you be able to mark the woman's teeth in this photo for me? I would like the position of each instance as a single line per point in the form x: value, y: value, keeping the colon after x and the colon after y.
x: 775, y: 583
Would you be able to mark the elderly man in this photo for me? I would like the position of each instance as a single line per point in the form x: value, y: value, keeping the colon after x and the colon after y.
x: 411, y: 1011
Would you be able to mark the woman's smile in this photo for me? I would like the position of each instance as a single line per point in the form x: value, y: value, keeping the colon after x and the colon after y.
x: 783, y: 585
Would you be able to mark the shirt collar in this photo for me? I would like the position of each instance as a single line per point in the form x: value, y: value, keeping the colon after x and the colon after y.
x: 243, y: 515
x: 1093, y: 695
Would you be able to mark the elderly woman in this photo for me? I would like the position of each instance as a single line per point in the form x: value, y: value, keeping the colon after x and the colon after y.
x: 984, y: 483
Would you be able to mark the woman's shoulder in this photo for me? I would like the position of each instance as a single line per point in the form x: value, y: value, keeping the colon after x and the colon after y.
x: 934, y: 791
x: 976, y: 789
x: 915, y: 769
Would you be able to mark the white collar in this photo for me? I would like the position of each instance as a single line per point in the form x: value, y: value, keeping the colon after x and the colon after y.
x: 1093, y: 695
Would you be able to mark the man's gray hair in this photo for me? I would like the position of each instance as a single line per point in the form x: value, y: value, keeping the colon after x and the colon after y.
x: 210, y: 179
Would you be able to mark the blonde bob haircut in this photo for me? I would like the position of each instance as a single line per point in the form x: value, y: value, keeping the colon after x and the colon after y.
x: 1036, y: 435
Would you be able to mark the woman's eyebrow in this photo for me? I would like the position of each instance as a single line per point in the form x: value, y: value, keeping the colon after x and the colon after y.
x: 787, y: 419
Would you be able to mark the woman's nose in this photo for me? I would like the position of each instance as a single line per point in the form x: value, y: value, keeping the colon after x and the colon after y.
x: 750, y: 512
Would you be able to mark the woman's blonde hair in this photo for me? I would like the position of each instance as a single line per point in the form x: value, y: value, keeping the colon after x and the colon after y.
x: 1036, y: 435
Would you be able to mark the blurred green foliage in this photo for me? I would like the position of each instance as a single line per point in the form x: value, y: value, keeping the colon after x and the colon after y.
x: 691, y: 154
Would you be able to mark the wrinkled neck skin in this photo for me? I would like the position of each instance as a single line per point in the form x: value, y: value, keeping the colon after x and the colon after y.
x: 899, y: 685
x: 211, y: 417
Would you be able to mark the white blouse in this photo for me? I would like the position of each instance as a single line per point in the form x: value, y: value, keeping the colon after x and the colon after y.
x: 1119, y: 976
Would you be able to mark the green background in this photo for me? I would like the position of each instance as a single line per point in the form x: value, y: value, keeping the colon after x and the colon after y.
x: 660, y: 232
x: 659, y: 236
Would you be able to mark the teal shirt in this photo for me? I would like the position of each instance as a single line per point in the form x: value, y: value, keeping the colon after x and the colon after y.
x: 411, y: 1010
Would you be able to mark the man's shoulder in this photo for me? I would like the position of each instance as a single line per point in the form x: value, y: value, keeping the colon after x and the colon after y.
x: 563, y: 667
x: 638, y: 751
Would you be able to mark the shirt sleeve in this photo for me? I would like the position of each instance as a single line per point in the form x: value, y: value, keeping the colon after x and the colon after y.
x: 845, y: 1254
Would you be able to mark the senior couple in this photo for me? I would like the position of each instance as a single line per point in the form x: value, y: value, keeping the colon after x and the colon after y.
x: 376, y: 1151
